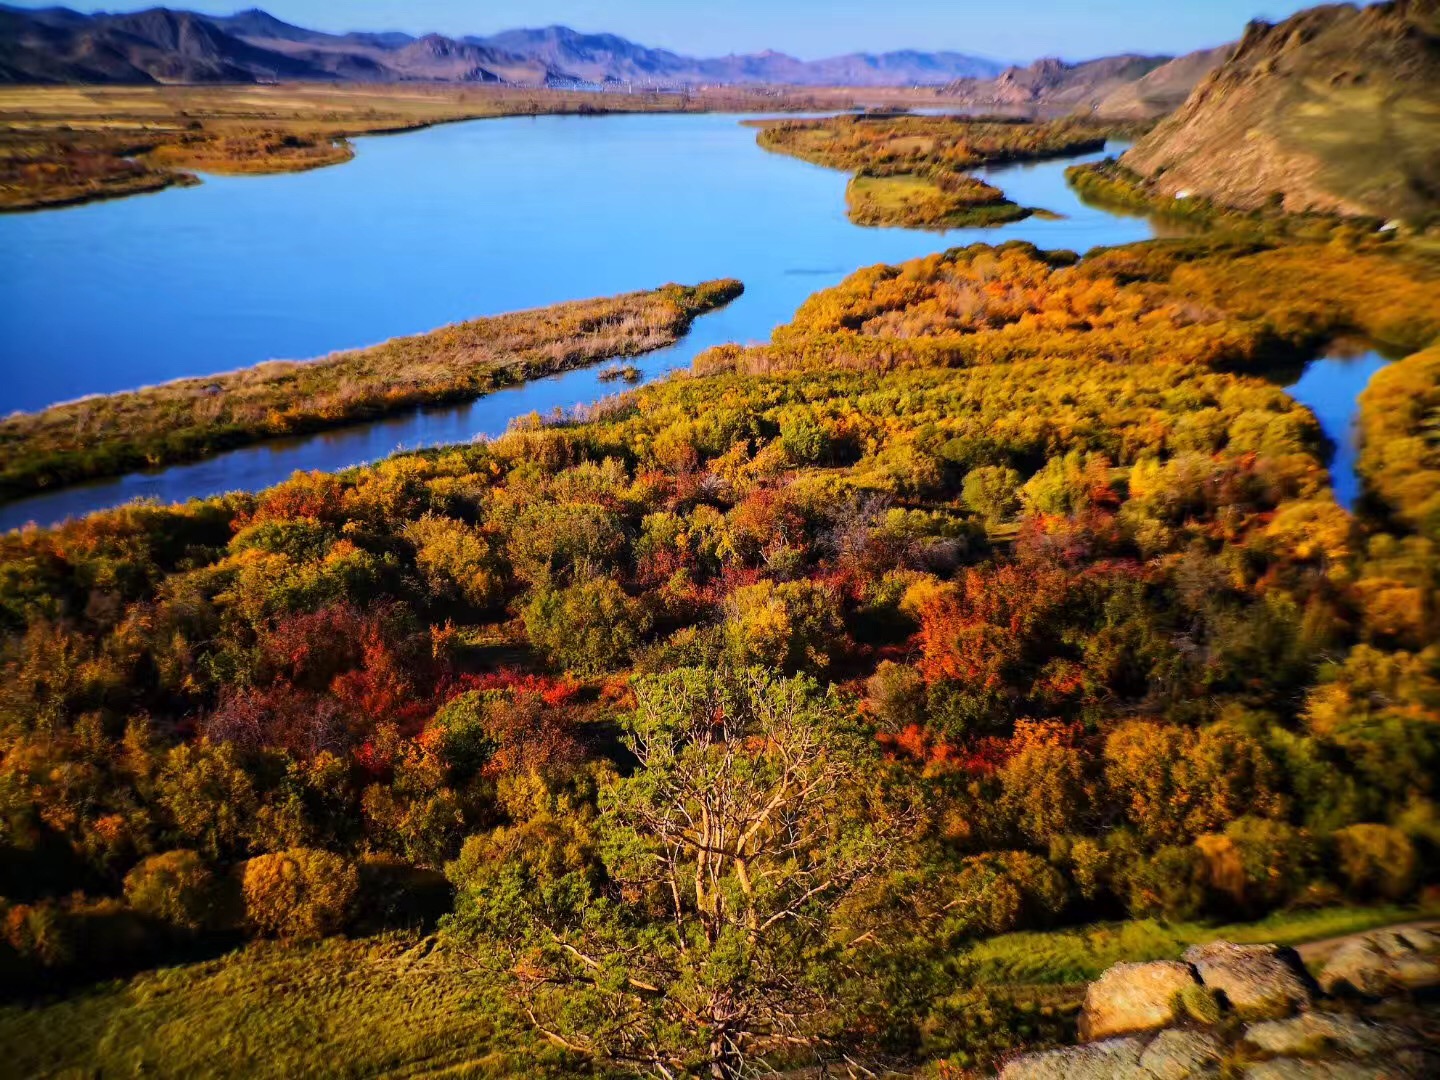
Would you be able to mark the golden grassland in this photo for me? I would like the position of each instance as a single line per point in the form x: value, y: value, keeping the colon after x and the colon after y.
x: 912, y: 171
x: 66, y: 145
x: 107, y: 435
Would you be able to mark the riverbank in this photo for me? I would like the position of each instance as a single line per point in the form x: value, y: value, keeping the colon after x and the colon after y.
x: 191, y: 418
x: 63, y: 146
x: 914, y: 171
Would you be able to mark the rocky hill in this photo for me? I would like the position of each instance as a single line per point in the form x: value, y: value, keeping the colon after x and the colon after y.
x: 1126, y: 86
x: 1335, y: 109
x: 1164, y: 89
x: 59, y: 45
x: 150, y: 46
x: 1256, y: 1012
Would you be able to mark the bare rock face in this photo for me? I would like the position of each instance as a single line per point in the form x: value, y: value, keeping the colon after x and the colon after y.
x: 1258, y: 981
x: 1409, y: 1065
x: 1302, y: 1037
x: 1181, y: 1055
x: 1309, y: 1033
x: 1134, y: 997
x: 1113, y: 1059
x: 1384, y: 962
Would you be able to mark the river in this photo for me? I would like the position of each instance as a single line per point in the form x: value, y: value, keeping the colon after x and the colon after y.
x: 439, y: 226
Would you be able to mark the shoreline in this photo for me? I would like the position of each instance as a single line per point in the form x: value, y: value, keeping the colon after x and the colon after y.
x: 156, y: 138
x: 107, y: 436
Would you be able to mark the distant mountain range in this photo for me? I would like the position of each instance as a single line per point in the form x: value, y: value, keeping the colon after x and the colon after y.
x: 163, y: 46
x: 1126, y: 86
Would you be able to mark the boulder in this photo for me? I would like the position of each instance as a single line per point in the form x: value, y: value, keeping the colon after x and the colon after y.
x: 1383, y: 963
x: 1178, y: 1054
x: 1407, y: 1065
x: 1314, y: 1033
x: 1134, y: 997
x: 1257, y: 981
x: 1113, y: 1059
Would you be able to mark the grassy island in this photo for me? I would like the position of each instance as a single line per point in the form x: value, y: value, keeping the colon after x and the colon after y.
x: 179, y: 421
x: 913, y: 171
x: 947, y: 203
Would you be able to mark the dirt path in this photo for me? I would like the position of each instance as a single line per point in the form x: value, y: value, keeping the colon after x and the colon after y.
x: 1317, y: 952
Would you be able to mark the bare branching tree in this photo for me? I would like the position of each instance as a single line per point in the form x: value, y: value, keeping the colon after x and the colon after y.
x: 708, y: 943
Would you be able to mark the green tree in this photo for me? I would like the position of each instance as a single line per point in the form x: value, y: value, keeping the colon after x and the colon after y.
x: 176, y: 888
x: 992, y: 491
x: 1043, y: 784
x: 299, y: 894
x: 589, y: 628
x: 698, y: 938
x: 795, y: 626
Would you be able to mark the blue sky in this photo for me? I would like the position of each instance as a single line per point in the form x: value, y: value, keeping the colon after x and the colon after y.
x: 1018, y: 30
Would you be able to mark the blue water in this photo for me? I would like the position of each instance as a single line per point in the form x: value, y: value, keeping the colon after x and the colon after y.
x: 1330, y: 388
x: 430, y: 228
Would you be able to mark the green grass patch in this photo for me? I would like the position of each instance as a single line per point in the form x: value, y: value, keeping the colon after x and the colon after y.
x: 923, y: 203
x: 383, y: 1006
x: 1082, y: 953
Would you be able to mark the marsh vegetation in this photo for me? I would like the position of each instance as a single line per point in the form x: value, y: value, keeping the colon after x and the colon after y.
x: 109, y: 434
x: 913, y: 171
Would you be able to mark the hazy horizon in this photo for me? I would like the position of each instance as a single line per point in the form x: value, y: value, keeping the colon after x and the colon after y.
x: 809, y: 29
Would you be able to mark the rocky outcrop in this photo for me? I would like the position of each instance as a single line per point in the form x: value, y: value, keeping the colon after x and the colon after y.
x: 1135, y: 997
x: 1256, y: 981
x: 1178, y: 1054
x: 1384, y: 963
x: 1331, y: 110
x: 1164, y: 1033
x: 1118, y: 87
x: 1404, y: 1066
x: 1299, y: 1036
x: 1107, y: 1060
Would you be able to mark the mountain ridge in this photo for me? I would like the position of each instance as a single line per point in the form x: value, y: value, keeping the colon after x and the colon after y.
x: 163, y: 45
x: 1336, y: 109
x: 1124, y: 86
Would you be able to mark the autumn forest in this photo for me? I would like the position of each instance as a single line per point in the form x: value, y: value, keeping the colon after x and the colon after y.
x: 756, y: 718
